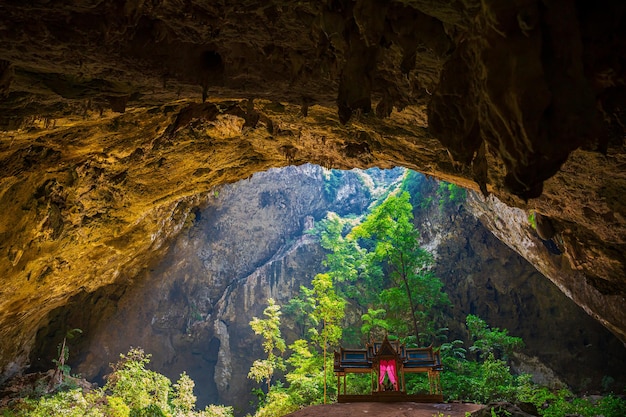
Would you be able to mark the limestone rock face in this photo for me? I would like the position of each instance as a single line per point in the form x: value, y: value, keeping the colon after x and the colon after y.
x: 512, y: 227
x: 482, y: 276
x: 119, y: 117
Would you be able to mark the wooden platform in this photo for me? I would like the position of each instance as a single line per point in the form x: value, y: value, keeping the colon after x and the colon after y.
x: 390, y: 397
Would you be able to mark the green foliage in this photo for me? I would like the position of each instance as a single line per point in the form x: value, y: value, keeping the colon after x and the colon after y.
x: 426, y: 202
x: 450, y: 194
x: 278, y: 403
x: 348, y: 264
x: 496, y: 382
x: 480, y: 382
x: 562, y: 403
x: 306, y: 382
x: 413, y: 292
x: 116, y: 407
x: 213, y: 410
x: 488, y: 379
x: 269, y: 328
x: 139, y: 387
x: 65, y: 403
x: 417, y: 384
x: 131, y: 391
x: 299, y: 309
x: 183, y: 397
x: 358, y: 384
x: 322, y: 311
x: 491, y: 341
x: 532, y: 219
x: 273, y: 344
x: 374, y: 325
x: 328, y: 311
x: 63, y: 352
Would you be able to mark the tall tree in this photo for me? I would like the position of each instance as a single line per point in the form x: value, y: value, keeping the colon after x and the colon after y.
x: 273, y: 343
x: 328, y: 312
x: 390, y: 234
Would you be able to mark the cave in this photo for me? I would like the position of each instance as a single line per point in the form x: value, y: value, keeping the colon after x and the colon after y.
x: 120, y: 120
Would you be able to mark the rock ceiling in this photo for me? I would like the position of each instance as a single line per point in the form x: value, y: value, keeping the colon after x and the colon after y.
x: 118, y: 117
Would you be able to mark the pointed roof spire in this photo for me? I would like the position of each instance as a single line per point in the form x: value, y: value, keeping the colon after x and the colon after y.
x: 386, y: 349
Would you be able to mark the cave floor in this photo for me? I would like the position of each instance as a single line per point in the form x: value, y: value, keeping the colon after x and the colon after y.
x: 388, y: 410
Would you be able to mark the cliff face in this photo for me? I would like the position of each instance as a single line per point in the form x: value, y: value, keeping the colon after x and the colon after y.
x: 119, y: 117
x: 483, y: 276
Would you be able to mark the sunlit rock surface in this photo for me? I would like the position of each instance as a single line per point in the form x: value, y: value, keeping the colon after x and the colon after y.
x: 119, y: 117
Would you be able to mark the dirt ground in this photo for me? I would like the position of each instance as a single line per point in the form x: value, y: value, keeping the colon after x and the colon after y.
x: 387, y: 410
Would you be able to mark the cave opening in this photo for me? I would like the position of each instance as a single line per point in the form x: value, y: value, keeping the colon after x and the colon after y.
x: 191, y: 304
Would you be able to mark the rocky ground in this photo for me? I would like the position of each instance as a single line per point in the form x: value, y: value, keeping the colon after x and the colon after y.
x: 388, y: 410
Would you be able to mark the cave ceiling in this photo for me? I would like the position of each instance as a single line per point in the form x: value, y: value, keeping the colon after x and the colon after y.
x: 118, y: 117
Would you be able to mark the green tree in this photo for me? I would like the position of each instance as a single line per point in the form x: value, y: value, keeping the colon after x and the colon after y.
x: 374, y: 323
x: 62, y: 368
x: 328, y: 312
x: 306, y: 383
x: 141, y: 389
x: 449, y: 194
x: 183, y: 398
x: 273, y: 343
x: 390, y: 234
x: 300, y: 310
x: 348, y: 264
x: 491, y: 341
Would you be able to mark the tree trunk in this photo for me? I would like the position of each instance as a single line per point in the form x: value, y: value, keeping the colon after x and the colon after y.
x: 408, y: 292
x: 324, y: 363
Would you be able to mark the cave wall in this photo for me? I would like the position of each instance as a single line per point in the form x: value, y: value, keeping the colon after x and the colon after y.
x: 485, y: 277
x: 117, y: 118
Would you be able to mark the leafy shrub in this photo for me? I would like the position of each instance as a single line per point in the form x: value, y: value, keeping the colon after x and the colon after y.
x: 117, y: 408
x: 489, y: 378
x: 138, y: 387
x: 496, y: 382
x: 491, y: 341
x: 65, y: 403
x: 562, y: 403
x: 216, y: 411
x: 278, y: 403
x: 358, y: 384
x: 131, y: 391
x: 417, y: 384
x: 183, y: 398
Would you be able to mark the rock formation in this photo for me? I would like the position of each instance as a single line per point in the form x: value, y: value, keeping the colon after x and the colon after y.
x: 483, y: 277
x: 118, y: 117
